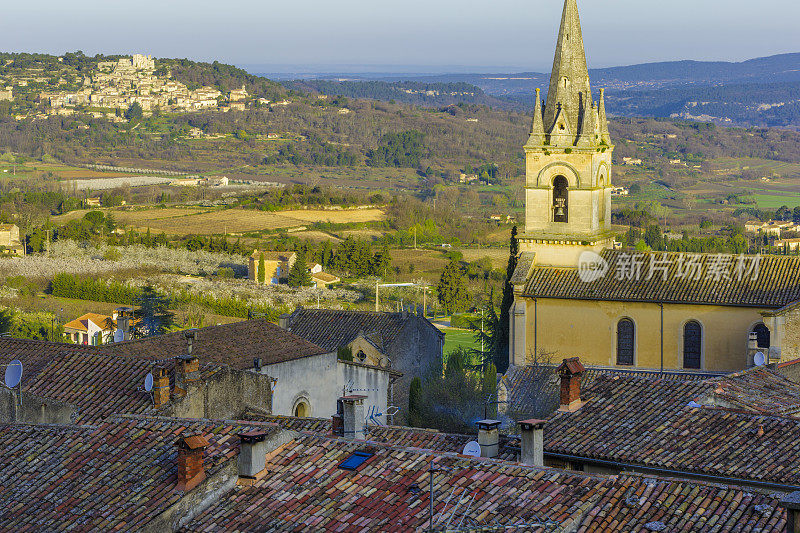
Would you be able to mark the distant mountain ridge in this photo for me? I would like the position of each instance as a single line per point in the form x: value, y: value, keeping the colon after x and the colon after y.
x: 763, y: 92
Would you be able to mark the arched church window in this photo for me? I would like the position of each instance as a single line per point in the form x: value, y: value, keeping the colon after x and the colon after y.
x: 626, y: 332
x: 692, y: 344
x: 762, y: 334
x: 560, y: 199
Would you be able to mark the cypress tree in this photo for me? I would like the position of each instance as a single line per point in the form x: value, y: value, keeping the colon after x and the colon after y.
x: 262, y: 274
x: 501, y: 355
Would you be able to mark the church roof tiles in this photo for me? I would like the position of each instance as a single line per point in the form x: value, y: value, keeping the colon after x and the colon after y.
x: 673, y: 277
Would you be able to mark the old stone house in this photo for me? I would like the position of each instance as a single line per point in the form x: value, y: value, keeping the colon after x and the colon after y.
x: 276, y: 266
x: 10, y: 242
x: 403, y: 342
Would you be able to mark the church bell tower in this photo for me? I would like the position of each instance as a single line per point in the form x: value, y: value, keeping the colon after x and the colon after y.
x: 568, y: 160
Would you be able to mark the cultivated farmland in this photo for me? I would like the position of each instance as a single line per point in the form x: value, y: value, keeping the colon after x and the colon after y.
x: 209, y: 221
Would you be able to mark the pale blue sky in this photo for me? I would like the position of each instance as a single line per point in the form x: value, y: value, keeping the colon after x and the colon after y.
x: 449, y: 35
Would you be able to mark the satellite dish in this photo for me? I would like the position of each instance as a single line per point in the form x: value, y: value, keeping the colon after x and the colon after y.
x: 13, y: 373
x: 148, y: 382
x: 472, y: 448
x: 758, y: 359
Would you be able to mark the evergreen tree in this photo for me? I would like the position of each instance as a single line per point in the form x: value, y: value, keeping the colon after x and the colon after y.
x: 153, y: 316
x: 262, y: 269
x: 298, y: 274
x: 501, y: 327
x: 490, y: 389
x: 451, y: 289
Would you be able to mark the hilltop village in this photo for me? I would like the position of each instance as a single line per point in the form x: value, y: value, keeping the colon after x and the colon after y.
x: 110, y: 89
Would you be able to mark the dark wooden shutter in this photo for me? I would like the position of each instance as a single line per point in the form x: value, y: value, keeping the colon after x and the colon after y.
x: 625, y: 342
x: 692, y: 344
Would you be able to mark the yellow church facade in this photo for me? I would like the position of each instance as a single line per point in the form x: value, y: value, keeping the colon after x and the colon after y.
x: 576, y: 295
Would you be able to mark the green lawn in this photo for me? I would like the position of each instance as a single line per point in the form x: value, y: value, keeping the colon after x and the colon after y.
x: 459, y: 337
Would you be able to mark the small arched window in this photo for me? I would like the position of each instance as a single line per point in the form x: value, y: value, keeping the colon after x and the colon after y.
x: 560, y: 199
x: 762, y: 334
x: 302, y: 409
x: 626, y: 332
x: 692, y: 344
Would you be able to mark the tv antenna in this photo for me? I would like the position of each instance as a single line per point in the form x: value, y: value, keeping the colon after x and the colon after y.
x: 759, y: 359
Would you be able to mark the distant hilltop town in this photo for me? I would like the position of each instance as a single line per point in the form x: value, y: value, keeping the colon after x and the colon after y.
x: 117, y: 85
x: 121, y: 83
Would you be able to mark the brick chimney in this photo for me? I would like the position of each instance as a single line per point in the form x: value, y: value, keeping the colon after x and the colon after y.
x: 160, y: 386
x: 190, y: 461
x: 791, y: 502
x: 252, y: 453
x: 570, y: 371
x: 489, y: 437
x: 187, y: 371
x: 353, y: 422
x: 532, y: 442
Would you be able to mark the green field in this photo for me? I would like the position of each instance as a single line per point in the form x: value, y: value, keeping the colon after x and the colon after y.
x: 459, y: 337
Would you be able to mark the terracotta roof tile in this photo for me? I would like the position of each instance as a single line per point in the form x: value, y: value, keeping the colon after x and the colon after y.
x: 776, y: 284
x: 235, y: 345
x: 305, y: 488
x: 727, y: 426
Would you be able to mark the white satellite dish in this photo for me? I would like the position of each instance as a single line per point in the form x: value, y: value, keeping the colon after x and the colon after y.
x: 148, y: 382
x: 472, y: 448
x: 758, y: 359
x: 13, y: 373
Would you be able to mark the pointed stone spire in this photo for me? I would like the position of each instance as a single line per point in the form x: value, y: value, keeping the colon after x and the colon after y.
x: 537, y: 128
x: 602, y: 122
x: 569, y: 80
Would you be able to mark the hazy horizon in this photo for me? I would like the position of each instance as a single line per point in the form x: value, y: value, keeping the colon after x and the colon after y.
x: 435, y: 35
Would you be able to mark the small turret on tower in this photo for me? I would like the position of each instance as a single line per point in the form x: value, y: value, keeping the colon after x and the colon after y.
x: 537, y: 127
x: 602, y: 121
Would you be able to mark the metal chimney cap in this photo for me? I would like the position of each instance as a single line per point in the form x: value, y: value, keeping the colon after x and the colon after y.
x: 488, y: 424
x: 253, y: 436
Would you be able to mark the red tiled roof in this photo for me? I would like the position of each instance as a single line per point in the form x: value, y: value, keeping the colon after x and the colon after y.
x: 96, y: 384
x: 118, y: 476
x: 235, y: 345
x: 304, y: 489
x: 777, y: 283
x: 650, y: 423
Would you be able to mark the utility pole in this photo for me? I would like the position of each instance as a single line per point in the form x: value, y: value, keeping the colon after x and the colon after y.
x: 415, y: 237
x: 377, y: 281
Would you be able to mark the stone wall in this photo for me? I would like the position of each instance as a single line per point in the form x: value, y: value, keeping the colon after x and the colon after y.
x: 321, y: 380
x: 416, y: 348
x: 33, y: 409
x: 224, y: 395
